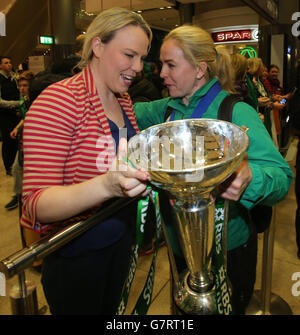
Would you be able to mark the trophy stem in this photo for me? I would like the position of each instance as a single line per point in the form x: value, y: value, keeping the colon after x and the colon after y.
x: 195, y: 222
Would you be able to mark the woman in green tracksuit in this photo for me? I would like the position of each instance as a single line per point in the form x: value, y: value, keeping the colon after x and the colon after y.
x: 192, y: 68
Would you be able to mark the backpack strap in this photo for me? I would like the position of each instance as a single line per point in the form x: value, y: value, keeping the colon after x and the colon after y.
x: 226, y: 107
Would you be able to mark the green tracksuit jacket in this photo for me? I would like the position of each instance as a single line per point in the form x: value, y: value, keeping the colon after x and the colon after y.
x: 272, y: 175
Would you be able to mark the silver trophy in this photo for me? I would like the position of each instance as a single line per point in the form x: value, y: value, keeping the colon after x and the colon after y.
x: 189, y: 158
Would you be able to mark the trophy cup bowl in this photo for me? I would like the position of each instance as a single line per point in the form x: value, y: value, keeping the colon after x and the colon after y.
x: 189, y: 158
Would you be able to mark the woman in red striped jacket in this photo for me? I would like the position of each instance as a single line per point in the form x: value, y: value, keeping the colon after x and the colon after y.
x: 70, y: 135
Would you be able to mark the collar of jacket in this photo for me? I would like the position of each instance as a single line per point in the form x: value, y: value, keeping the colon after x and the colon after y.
x: 11, y: 76
x: 177, y: 103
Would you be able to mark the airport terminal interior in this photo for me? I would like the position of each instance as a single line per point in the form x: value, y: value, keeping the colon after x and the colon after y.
x: 241, y: 26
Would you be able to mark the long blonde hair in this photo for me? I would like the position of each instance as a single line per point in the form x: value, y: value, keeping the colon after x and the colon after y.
x: 105, y: 25
x: 198, y: 46
x: 239, y: 66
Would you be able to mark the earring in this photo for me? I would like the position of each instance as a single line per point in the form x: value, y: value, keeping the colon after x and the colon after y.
x: 198, y: 77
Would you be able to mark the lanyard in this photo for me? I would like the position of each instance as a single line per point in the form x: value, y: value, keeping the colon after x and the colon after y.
x: 204, y: 103
x: 223, y: 296
x: 145, y: 298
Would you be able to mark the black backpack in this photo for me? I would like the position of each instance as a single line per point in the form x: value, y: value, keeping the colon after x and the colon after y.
x: 260, y: 215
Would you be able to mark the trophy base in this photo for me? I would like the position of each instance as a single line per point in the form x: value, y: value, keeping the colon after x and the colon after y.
x: 190, y: 302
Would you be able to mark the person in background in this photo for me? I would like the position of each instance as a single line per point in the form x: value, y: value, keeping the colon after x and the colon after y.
x: 264, y: 74
x: 28, y: 237
x: 266, y: 104
x: 59, y: 70
x: 254, y: 83
x: 191, y: 68
x: 240, y: 67
x: 9, y: 106
x: 76, y: 56
x: 143, y: 89
x: 156, y: 79
x: 24, y: 66
x: 260, y: 215
x: 272, y: 82
x: 78, y: 45
x: 17, y: 169
x: 71, y: 138
x: 274, y: 87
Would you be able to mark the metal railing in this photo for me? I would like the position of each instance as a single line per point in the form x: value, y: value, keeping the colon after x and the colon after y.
x: 264, y: 301
x: 24, y: 258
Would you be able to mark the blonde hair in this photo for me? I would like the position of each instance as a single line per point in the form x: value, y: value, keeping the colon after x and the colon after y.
x: 79, y: 43
x: 106, y: 24
x: 198, y: 46
x: 254, y: 65
x: 239, y: 65
x: 26, y: 75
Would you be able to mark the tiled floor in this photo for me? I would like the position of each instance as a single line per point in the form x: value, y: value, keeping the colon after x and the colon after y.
x: 285, y: 261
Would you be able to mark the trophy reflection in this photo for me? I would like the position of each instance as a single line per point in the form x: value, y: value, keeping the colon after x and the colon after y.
x: 189, y: 158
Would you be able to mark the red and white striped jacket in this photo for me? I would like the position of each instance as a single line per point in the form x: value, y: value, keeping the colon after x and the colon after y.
x: 67, y: 139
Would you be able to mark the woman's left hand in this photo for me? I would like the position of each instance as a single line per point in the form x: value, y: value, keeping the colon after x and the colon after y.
x: 234, y: 186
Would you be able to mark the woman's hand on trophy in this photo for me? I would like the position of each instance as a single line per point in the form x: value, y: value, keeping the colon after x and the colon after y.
x: 123, y: 179
x: 234, y: 186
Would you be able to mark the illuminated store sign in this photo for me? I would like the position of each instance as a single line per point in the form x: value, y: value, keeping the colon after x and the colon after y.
x: 228, y: 36
x: 236, y: 34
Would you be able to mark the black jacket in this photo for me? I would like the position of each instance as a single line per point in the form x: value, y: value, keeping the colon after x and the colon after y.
x: 8, y: 91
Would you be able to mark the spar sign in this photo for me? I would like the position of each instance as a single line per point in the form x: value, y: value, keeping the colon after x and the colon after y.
x: 235, y: 34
